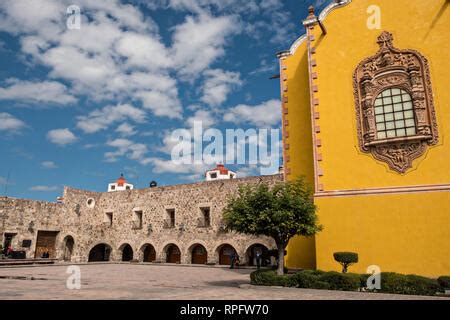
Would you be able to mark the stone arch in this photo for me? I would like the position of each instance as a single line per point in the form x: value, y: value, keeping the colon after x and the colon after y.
x: 223, y: 253
x: 197, y: 253
x: 68, y: 245
x: 251, y: 252
x: 126, y: 252
x: 100, y: 252
x: 171, y: 253
x: 147, y: 253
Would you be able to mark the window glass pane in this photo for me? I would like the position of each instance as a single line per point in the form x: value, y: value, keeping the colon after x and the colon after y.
x: 401, y: 132
x: 399, y: 124
x: 381, y: 126
x: 378, y: 102
x: 410, y: 123
x: 381, y: 135
x: 380, y: 118
x: 395, y: 91
x: 396, y: 99
x: 388, y: 108
x: 390, y: 133
x: 389, y: 117
x: 406, y: 97
x: 410, y: 131
x: 387, y: 100
x: 407, y: 105
x: 389, y: 125
x: 398, y: 107
x: 409, y: 114
x: 378, y: 110
x: 399, y: 115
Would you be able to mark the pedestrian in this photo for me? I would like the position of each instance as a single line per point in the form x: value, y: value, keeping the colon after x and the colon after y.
x: 258, y: 260
x: 232, y: 260
x: 9, y: 251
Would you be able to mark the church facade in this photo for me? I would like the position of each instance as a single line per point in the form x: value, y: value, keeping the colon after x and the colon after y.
x: 366, y: 118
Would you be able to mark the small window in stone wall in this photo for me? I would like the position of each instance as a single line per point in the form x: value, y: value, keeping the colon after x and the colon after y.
x: 169, y: 221
x: 109, y: 218
x: 213, y: 175
x: 137, y: 220
x: 90, y: 203
x: 205, y: 220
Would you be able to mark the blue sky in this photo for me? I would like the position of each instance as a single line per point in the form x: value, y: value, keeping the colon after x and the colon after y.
x: 79, y: 107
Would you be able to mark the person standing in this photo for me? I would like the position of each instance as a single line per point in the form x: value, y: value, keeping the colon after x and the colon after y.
x: 233, y: 259
x: 258, y: 260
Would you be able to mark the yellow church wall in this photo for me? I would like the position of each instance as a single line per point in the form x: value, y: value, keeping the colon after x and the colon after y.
x: 405, y: 233
x: 415, y: 24
x: 301, y: 251
x: 401, y: 232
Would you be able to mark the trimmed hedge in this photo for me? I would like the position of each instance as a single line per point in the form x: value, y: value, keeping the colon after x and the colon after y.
x: 392, y: 282
x: 444, y: 282
x: 315, y: 279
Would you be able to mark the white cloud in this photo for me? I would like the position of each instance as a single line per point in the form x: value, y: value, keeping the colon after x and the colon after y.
x: 10, y: 123
x: 61, y: 137
x: 200, y: 40
x: 36, y: 92
x: 100, y: 119
x: 204, y: 116
x: 125, y: 129
x: 265, y: 114
x: 41, y: 188
x: 125, y: 147
x: 218, y: 85
x: 49, y: 165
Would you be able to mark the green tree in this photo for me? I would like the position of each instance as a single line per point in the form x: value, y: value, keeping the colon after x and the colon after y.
x: 281, y: 212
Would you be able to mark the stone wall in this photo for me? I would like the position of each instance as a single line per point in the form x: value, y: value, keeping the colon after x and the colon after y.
x: 82, y: 216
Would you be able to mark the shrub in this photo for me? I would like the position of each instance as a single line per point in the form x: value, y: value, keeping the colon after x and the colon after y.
x: 346, y: 259
x: 270, y: 278
x: 408, y: 284
x: 444, y: 282
x: 341, y: 281
x: 309, y: 279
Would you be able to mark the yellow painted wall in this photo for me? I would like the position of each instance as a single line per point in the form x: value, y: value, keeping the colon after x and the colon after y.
x: 301, y: 251
x: 415, y: 24
x: 407, y: 233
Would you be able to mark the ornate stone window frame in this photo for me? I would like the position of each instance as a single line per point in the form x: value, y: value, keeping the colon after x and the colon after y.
x: 392, y: 68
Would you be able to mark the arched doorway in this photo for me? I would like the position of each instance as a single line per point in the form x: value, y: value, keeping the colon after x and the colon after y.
x: 225, y: 253
x: 173, y: 254
x: 127, y: 252
x: 148, y: 253
x: 101, y: 252
x: 252, y: 252
x: 199, y: 255
x: 68, y: 248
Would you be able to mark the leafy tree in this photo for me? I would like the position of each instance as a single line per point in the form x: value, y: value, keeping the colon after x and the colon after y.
x: 281, y: 212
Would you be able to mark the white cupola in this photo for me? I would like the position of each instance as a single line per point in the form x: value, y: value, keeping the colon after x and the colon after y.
x: 120, y: 185
x: 219, y: 173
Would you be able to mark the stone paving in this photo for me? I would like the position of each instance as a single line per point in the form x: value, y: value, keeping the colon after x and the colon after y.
x: 155, y: 281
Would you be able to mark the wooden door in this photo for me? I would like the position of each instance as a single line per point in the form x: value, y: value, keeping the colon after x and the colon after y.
x: 46, y: 242
x: 199, y: 255
x: 149, y: 254
x: 225, y: 254
x: 173, y: 254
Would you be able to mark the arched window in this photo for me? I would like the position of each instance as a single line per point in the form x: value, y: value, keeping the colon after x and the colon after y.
x: 395, y: 115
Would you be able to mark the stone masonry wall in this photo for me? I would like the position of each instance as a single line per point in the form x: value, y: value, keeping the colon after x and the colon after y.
x: 82, y: 215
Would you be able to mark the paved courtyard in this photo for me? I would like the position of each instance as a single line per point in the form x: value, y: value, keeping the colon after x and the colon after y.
x: 152, y: 281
